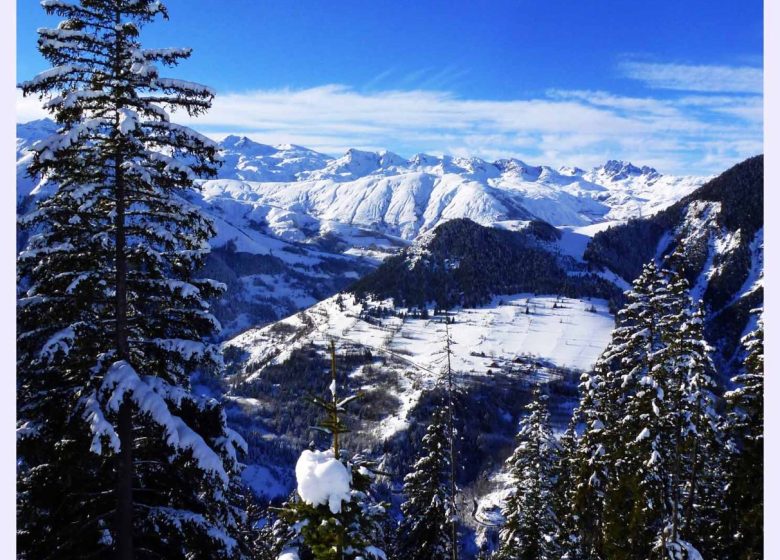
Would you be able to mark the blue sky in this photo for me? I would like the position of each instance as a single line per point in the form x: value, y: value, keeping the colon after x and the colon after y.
x: 674, y: 84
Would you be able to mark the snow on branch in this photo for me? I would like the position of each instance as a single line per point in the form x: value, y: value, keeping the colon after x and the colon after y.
x: 50, y: 74
x: 185, y: 86
x: 51, y: 4
x: 47, y: 147
x: 187, y: 349
x: 322, y: 479
x: 99, y: 426
x: 128, y: 121
x: 122, y: 381
x: 27, y: 429
x: 179, y: 517
x: 167, y: 55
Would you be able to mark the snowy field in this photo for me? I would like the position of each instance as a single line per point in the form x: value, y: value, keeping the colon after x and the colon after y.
x: 558, y: 331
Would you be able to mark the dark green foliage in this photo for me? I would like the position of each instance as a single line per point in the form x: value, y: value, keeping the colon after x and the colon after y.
x: 739, y: 191
x: 643, y: 476
x: 743, y: 518
x: 530, y: 529
x: 425, y: 531
x: 467, y: 264
x: 625, y: 249
x: 353, y: 527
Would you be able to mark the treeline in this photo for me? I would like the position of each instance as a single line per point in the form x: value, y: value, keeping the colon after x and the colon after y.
x: 467, y: 264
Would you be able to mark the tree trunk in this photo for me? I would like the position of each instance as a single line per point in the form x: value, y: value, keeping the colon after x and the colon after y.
x: 451, y: 430
x: 124, y: 488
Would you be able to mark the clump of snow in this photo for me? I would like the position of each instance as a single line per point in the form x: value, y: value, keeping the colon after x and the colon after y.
x: 333, y: 388
x: 322, y: 479
x: 148, y: 394
x: 374, y: 552
x: 289, y: 554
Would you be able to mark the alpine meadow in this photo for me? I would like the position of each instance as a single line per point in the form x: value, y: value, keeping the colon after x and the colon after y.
x: 318, y: 349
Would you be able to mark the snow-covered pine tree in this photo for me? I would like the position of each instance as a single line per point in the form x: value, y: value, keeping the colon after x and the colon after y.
x: 598, y: 455
x: 530, y: 529
x: 589, y: 471
x: 449, y: 379
x: 334, y: 515
x: 425, y: 532
x: 628, y: 497
x: 117, y: 456
x: 668, y: 431
x: 697, y: 472
x: 743, y: 508
x: 564, y: 492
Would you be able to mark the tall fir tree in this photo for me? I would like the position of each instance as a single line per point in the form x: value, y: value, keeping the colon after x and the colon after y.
x: 598, y: 513
x: 637, y: 472
x: 117, y: 457
x: 743, y: 512
x: 425, y: 532
x: 334, y: 515
x: 449, y: 379
x: 637, y: 491
x: 564, y: 493
x: 530, y: 529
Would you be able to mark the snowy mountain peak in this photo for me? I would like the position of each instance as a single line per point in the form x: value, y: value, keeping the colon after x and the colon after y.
x: 571, y: 171
x: 247, y: 160
x: 424, y: 160
x: 519, y: 167
x: 246, y: 146
x: 390, y: 159
x: 617, y: 170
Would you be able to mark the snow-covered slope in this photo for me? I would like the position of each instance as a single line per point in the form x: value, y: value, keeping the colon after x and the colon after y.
x: 385, y: 193
x: 26, y: 135
x: 268, y: 277
x: 716, y: 236
x: 397, y: 358
x: 246, y: 160
x: 301, y: 195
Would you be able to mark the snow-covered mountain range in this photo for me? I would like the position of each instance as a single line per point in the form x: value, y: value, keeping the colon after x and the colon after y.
x: 297, y: 191
x: 294, y: 225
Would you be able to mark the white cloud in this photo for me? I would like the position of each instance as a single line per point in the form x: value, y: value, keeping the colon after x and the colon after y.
x: 580, y: 128
x: 687, y: 77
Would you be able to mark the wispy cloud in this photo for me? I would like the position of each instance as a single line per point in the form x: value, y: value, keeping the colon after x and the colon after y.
x: 689, y: 134
x: 704, y: 78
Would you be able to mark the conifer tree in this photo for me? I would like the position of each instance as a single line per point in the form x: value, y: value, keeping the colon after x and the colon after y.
x: 598, y: 512
x: 650, y: 426
x: 659, y: 495
x: 425, y: 532
x: 117, y: 457
x: 334, y: 515
x: 531, y: 528
x: 635, y: 498
x: 743, y: 510
x: 564, y: 493
x: 451, y: 432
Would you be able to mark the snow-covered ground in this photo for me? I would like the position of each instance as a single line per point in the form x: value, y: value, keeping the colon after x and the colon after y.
x: 559, y: 331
